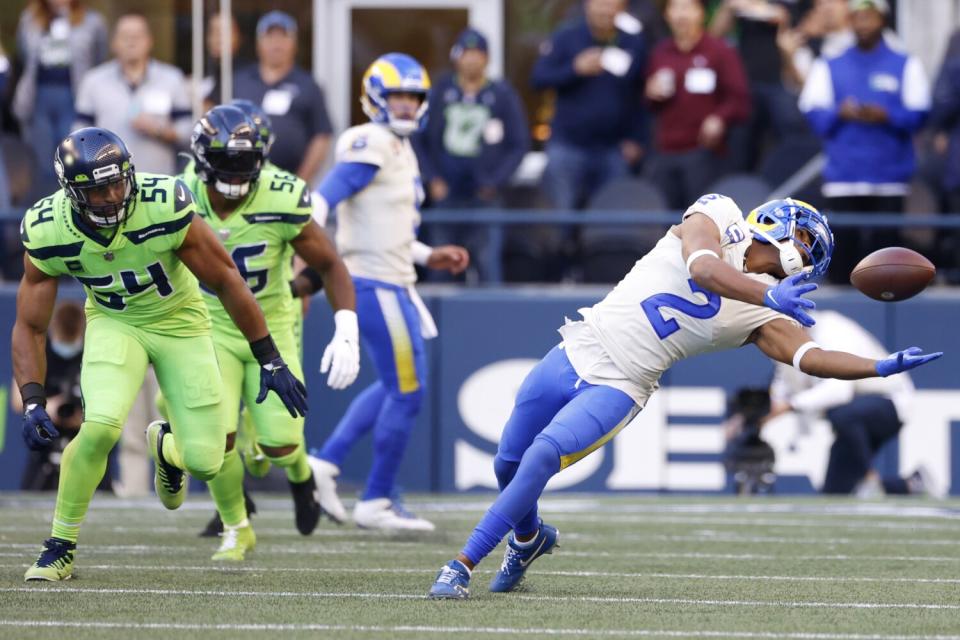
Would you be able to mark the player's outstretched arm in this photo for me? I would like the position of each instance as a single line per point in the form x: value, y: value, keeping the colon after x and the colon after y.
x: 35, y: 300
x: 203, y: 254
x: 342, y: 356
x: 788, y: 343
x: 700, y: 238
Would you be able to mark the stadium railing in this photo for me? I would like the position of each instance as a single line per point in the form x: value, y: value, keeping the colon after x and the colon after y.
x: 498, y: 219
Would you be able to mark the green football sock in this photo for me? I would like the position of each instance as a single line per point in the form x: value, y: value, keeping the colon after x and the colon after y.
x: 295, y: 464
x: 82, y: 467
x: 227, y: 490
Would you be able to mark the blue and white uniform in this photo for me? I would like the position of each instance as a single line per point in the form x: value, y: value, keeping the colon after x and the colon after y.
x: 596, y: 381
x: 376, y: 190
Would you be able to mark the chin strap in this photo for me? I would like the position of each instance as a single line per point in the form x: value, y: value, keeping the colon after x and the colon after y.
x: 790, y: 258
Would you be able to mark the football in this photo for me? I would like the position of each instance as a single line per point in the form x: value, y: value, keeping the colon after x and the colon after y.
x: 892, y: 274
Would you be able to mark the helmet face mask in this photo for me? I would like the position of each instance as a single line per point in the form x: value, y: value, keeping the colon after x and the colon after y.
x: 799, y: 232
x: 96, y: 172
x: 228, y: 150
x: 395, y: 73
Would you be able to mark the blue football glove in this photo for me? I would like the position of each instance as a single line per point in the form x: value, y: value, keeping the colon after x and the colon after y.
x: 275, y: 376
x: 38, y: 429
x: 904, y: 361
x: 786, y: 297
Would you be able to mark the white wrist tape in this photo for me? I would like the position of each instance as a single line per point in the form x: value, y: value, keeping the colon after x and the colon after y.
x: 320, y: 208
x: 802, y: 351
x: 699, y: 254
x: 421, y: 253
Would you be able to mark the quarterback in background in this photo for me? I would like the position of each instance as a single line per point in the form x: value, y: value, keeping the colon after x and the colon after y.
x: 262, y: 217
x: 132, y: 240
x: 376, y: 183
x: 693, y: 293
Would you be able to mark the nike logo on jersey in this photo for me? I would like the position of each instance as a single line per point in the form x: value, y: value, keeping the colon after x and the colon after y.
x: 181, y: 194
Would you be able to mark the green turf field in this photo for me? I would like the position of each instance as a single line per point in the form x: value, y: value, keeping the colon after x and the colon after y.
x: 627, y: 567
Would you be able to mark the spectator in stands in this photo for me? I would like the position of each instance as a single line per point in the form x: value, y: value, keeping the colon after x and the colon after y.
x: 865, y: 105
x: 595, y: 69
x: 58, y: 41
x: 212, y: 64
x: 142, y: 100
x: 774, y: 116
x: 945, y: 121
x: 474, y: 141
x: 824, y: 32
x: 697, y: 88
x: 289, y: 95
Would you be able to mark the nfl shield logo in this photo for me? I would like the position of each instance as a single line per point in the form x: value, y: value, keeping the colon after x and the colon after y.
x: 108, y: 256
x: 224, y: 234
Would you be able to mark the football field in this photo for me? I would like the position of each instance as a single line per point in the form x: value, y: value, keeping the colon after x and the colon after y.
x: 627, y: 567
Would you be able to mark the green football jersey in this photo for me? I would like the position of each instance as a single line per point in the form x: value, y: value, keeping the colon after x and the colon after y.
x: 136, y: 276
x: 257, y: 236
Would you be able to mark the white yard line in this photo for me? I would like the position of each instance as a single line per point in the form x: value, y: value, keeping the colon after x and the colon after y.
x: 44, y: 589
x: 430, y: 571
x: 640, y: 633
x: 727, y: 537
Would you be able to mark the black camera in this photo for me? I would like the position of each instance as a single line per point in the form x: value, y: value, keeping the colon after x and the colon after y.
x: 747, y: 456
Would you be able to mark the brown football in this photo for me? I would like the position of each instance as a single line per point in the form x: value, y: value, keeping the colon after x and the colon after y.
x: 892, y: 274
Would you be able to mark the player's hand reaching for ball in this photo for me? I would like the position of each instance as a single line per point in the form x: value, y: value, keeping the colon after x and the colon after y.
x: 787, y: 298
x: 342, y: 356
x: 449, y: 257
x: 904, y: 361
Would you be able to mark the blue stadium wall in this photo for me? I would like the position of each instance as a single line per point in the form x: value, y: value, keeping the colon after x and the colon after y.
x: 490, y: 339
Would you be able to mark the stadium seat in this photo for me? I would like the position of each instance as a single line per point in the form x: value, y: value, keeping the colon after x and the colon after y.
x: 746, y: 190
x: 609, y: 252
x: 784, y: 160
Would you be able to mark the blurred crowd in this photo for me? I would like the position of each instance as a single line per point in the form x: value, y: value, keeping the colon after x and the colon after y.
x: 653, y: 102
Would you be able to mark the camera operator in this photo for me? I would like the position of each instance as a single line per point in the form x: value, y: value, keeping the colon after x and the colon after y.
x: 865, y: 414
x: 64, y: 404
x: 747, y: 456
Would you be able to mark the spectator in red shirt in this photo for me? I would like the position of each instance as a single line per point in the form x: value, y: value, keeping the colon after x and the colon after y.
x: 697, y: 88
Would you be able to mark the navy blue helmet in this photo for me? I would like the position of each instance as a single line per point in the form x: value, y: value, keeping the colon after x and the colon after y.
x: 228, y: 151
x: 260, y: 118
x: 91, y: 163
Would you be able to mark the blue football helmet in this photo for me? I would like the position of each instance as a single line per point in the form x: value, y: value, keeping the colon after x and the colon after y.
x: 228, y: 150
x: 88, y: 161
x: 260, y: 118
x: 779, y: 220
x: 395, y: 73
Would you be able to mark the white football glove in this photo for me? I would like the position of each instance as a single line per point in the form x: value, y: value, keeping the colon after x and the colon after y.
x: 342, y: 356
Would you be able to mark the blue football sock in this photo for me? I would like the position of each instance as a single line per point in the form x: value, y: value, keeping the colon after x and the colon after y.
x: 505, y: 470
x: 359, y: 419
x: 540, y: 462
x: 390, y: 436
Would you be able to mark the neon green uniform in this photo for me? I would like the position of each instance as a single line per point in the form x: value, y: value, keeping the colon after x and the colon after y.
x: 143, y: 306
x: 257, y: 235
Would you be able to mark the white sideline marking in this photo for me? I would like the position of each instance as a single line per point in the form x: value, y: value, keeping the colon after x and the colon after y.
x: 727, y: 537
x: 430, y: 571
x: 412, y: 596
x: 752, y: 556
x: 643, y: 633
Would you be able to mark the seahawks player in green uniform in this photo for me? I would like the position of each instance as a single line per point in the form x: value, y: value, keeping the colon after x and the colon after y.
x: 132, y: 241
x: 263, y: 217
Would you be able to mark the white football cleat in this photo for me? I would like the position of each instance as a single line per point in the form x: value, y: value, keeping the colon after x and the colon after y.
x: 384, y: 513
x: 323, y: 474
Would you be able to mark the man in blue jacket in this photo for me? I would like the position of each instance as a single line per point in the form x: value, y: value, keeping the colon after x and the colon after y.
x: 474, y: 141
x: 866, y: 104
x: 595, y: 69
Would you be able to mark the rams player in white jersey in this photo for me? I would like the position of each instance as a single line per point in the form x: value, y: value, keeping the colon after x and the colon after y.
x: 376, y: 183
x: 712, y: 282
